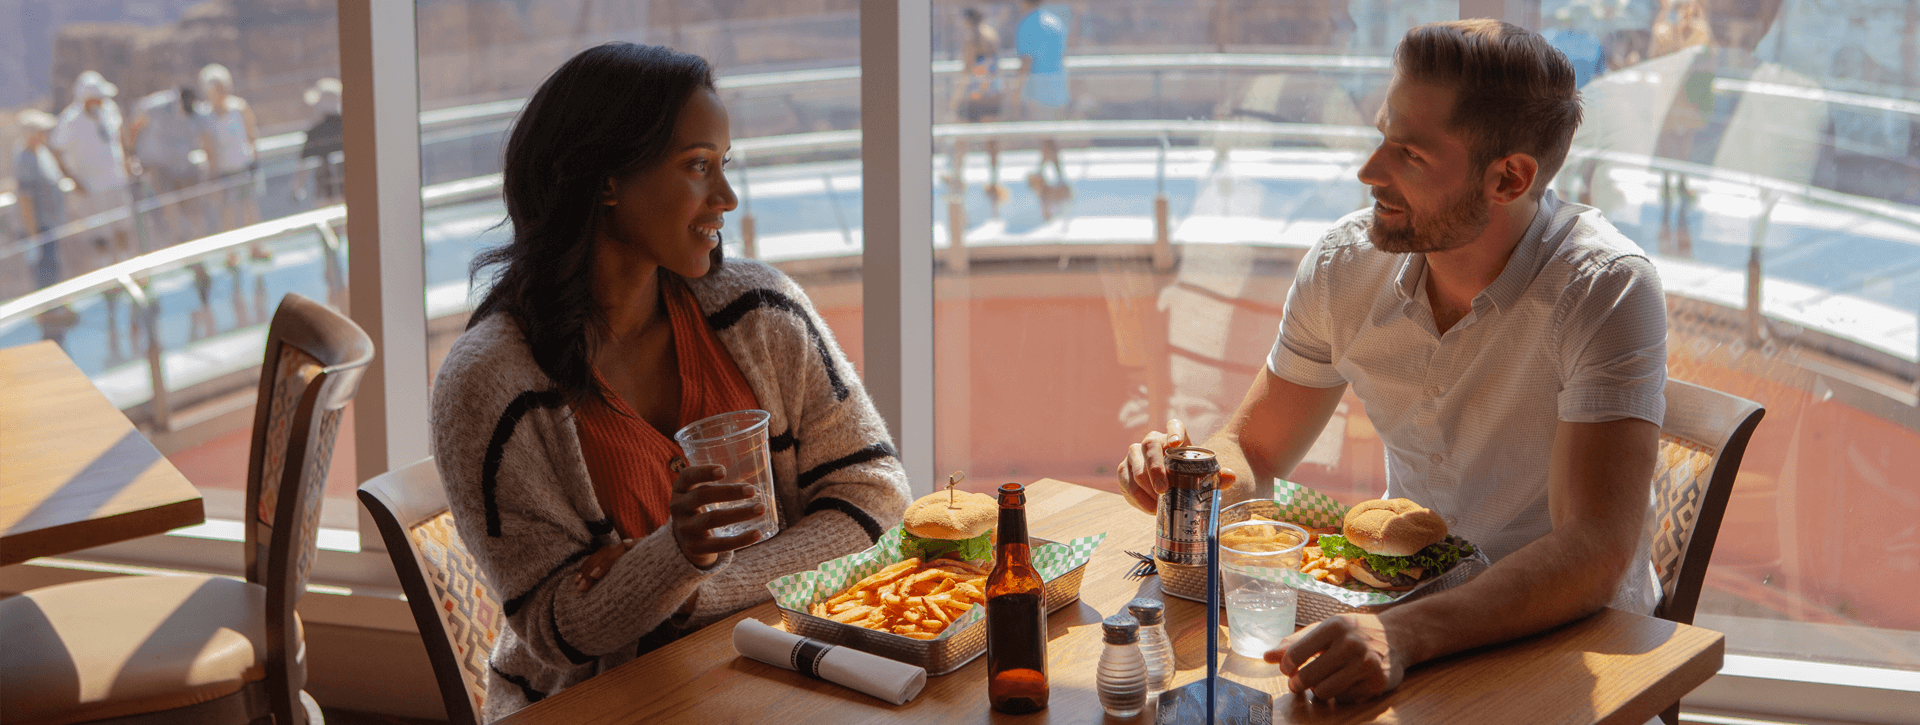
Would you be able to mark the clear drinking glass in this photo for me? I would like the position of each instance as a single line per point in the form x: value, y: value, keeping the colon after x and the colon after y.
x: 737, y: 441
x: 1260, y: 607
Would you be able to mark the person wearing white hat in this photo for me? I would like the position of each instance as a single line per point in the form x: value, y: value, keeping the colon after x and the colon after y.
x: 87, y: 143
x: 230, y: 146
x: 324, y: 139
x: 36, y: 176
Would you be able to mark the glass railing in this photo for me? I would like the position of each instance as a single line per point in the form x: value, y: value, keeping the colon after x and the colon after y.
x: 1829, y: 292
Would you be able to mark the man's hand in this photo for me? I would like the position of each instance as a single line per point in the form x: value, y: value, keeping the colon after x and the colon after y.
x: 694, y: 489
x: 1143, y: 473
x: 1345, y: 658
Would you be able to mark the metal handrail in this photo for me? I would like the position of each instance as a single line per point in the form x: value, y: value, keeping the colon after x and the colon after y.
x: 125, y: 275
x: 1153, y: 131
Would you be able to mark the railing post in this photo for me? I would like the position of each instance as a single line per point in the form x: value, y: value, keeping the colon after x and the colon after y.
x: 957, y: 258
x: 148, y: 308
x: 1162, y: 224
x: 1756, y: 317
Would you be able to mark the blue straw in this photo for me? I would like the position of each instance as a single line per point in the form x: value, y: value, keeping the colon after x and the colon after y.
x: 1213, y: 601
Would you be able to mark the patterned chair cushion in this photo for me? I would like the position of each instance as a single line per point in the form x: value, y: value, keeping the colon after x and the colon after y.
x: 291, y: 376
x: 468, y: 614
x: 1679, y: 486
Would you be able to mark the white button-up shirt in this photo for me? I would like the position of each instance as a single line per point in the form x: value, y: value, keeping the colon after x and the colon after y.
x: 1574, y: 329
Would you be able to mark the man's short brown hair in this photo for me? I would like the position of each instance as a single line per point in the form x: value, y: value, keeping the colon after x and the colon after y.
x: 1514, y: 93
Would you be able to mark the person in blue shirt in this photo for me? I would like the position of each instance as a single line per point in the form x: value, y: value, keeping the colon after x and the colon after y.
x: 1041, y: 41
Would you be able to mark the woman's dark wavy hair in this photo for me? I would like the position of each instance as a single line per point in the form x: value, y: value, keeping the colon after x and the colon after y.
x: 606, y: 112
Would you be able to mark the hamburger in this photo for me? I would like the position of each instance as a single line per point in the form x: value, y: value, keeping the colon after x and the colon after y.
x: 951, y: 521
x: 1395, y: 544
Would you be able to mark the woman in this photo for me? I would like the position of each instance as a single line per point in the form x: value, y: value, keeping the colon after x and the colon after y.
x: 979, y: 98
x: 611, y: 323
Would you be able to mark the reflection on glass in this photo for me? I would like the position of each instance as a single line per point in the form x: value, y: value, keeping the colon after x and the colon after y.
x: 136, y: 142
x: 1203, y: 149
x: 1764, y: 152
x: 789, y: 79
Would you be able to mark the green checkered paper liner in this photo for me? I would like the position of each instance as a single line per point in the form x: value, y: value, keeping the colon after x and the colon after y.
x: 1305, y: 506
x: 804, y: 589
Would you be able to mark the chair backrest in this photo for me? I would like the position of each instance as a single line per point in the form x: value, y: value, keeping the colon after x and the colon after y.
x: 457, y: 617
x: 312, y: 367
x: 1701, y: 444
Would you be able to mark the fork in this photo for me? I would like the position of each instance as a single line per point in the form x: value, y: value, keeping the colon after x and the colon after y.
x: 1141, y: 569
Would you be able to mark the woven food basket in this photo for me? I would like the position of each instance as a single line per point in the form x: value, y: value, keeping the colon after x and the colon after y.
x: 1317, y: 599
x: 937, y: 656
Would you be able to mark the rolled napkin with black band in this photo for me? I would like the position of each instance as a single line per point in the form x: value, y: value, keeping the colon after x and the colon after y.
x: 895, y: 682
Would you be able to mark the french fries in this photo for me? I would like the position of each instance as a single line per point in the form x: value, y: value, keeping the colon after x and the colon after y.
x: 1332, y: 570
x: 910, y: 598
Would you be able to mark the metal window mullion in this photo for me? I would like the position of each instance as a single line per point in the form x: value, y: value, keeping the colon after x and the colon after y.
x: 387, y: 284
x: 896, y: 151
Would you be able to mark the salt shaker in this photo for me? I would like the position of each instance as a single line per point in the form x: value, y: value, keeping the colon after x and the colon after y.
x: 1155, y: 647
x: 1122, y: 677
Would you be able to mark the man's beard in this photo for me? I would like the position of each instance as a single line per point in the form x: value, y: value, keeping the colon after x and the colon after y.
x: 1452, y: 227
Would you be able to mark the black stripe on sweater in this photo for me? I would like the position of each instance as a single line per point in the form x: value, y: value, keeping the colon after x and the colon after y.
x: 781, y: 442
x: 873, y: 452
x: 497, y: 447
x: 512, y: 606
x: 526, y: 687
x: 828, y: 503
x: 600, y: 528
x: 661, y: 636
x: 573, y: 655
x: 754, y: 299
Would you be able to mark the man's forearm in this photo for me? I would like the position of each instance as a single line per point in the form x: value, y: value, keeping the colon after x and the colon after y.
x: 1558, y: 578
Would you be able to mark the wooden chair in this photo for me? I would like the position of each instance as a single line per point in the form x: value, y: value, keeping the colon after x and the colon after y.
x: 205, y: 649
x: 1701, y: 444
x: 457, y: 616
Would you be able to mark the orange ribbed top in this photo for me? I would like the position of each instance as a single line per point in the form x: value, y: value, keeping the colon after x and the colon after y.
x: 630, y: 461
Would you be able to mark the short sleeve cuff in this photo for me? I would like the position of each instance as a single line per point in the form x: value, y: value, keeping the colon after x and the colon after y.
x: 1300, y: 370
x: 1602, y: 404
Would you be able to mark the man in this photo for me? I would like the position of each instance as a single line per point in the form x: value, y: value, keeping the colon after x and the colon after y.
x: 86, y: 141
x: 165, y: 131
x: 1041, y: 41
x: 1509, y: 347
x: 230, y: 137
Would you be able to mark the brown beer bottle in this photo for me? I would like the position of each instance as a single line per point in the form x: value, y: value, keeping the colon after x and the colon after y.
x: 1016, y: 614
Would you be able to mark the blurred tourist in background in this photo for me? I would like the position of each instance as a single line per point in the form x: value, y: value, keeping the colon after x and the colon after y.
x: 1041, y: 41
x: 979, y: 97
x: 324, y: 139
x: 167, y: 127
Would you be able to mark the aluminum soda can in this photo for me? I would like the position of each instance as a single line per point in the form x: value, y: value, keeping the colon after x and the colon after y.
x: 1192, y: 474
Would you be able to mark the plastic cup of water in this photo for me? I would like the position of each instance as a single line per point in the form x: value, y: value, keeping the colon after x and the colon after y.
x: 1260, y: 606
x: 737, y: 441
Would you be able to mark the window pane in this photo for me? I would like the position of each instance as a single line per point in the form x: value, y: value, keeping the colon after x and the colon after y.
x: 1067, y: 323
x: 149, y: 183
x: 788, y: 77
x: 1779, y: 164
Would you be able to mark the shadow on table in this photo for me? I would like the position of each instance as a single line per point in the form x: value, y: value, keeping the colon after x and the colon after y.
x: 103, y: 479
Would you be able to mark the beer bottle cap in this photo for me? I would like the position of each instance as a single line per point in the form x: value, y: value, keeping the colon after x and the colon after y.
x: 1120, y: 629
x: 1147, y: 610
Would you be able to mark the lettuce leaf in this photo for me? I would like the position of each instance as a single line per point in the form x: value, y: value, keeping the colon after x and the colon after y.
x: 978, y: 548
x: 1435, y: 558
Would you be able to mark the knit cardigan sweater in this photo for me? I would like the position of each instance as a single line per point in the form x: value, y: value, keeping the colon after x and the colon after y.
x: 518, y: 487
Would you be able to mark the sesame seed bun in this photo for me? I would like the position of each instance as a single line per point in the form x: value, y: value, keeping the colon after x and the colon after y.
x: 969, y: 515
x: 1393, y: 527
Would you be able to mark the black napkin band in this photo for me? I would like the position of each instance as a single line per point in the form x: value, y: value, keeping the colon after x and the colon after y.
x: 806, y: 656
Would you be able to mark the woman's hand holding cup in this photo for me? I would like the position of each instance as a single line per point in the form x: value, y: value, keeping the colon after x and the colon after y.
x: 694, y: 489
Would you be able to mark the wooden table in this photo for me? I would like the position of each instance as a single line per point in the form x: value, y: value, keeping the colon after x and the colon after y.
x: 74, y: 472
x: 1613, y: 667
